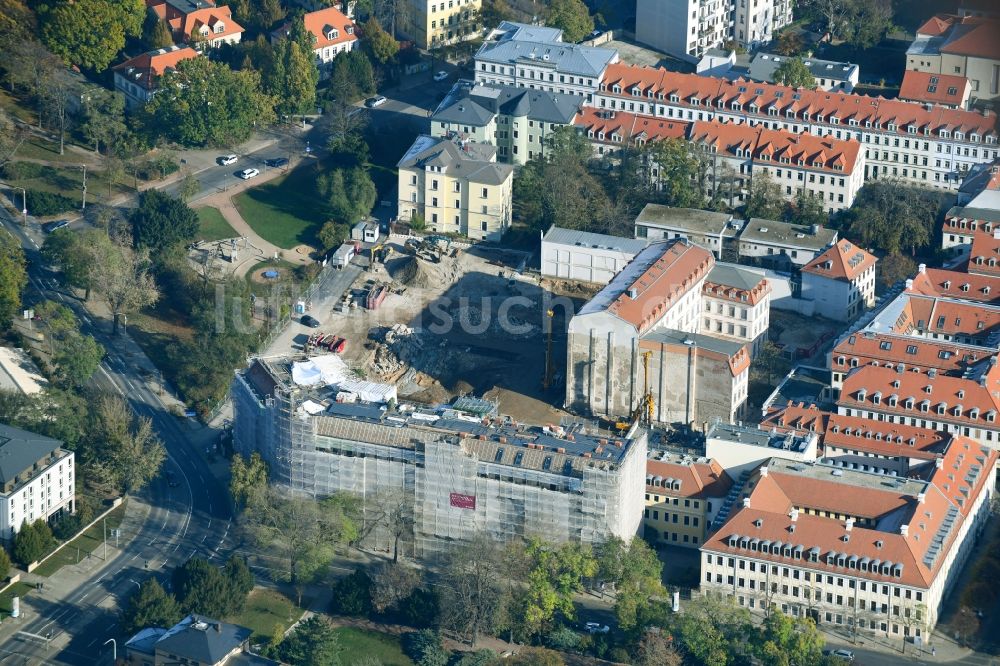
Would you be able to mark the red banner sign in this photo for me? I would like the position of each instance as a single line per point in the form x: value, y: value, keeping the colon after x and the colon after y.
x: 463, y: 501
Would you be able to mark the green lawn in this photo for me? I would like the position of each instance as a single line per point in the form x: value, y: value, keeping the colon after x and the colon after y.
x: 15, y: 590
x: 357, y: 643
x: 286, y: 210
x: 212, y: 226
x: 266, y: 608
x: 68, y: 181
x: 89, y: 541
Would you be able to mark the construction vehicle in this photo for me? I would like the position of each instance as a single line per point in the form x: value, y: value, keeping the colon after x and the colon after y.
x: 379, y: 253
x: 646, y: 408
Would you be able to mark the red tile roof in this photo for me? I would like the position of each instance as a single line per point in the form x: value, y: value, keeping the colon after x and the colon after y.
x: 778, y: 147
x: 956, y: 284
x: 934, y: 88
x: 677, y: 269
x: 887, y: 349
x: 945, y: 316
x: 935, y: 26
x: 626, y: 127
x: 736, y: 294
x: 150, y: 66
x: 964, y: 401
x: 934, y: 515
x: 846, y: 262
x: 649, y: 84
x: 697, y: 479
x: 984, y: 258
x: 320, y: 22
x: 973, y: 36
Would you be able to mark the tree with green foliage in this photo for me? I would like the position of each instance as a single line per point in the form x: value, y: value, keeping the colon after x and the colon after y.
x: 162, y: 222
x: 495, y: 12
x: 130, y: 452
x: 150, y: 606
x: 807, y: 210
x: 656, y: 648
x: 892, y: 269
x: 425, y: 648
x: 381, y: 44
x: 200, y: 587
x: 5, y: 564
x: 636, y: 572
x: 485, y: 657
x: 572, y: 17
x: 331, y: 235
x: 32, y: 542
x: 313, y: 643
x: 789, y: 43
x: 350, y: 193
x: 871, y: 22
x: 90, y: 34
x: 474, y: 599
x: 536, y: 657
x: 555, y: 574
x: 351, y: 595
x: 711, y: 629
x: 795, y: 73
x: 76, y: 358
x: 205, y: 103
x: 248, y: 479
x: 159, y: 36
x: 352, y: 77
x: 103, y: 118
x: 68, y: 251
x: 13, y: 278
x: 786, y: 641
x: 392, y: 582
x: 764, y: 198
x: 892, y: 216
x: 422, y: 608
x: 291, y: 74
x: 239, y: 576
x: 677, y: 172
x: 190, y: 186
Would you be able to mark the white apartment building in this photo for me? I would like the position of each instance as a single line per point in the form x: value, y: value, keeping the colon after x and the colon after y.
x: 569, y: 254
x: 930, y: 146
x: 456, y: 186
x: 38, y: 479
x: 138, y: 78
x: 781, y: 245
x: 830, y: 170
x: 709, y: 229
x: 527, y: 56
x: 736, y: 305
x: 841, y: 281
x: 829, y: 74
x: 687, y: 29
x: 849, y: 548
x: 333, y: 33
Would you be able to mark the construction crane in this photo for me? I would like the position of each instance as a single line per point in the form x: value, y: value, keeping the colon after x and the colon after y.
x: 646, y: 408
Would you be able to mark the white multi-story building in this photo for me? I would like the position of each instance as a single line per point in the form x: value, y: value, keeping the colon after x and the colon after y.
x: 38, y: 478
x: 569, y: 254
x: 688, y: 28
x: 827, y: 169
x: 333, y: 33
x: 929, y: 146
x: 736, y: 305
x: 138, y: 78
x: 857, y: 550
x: 528, y: 56
x: 711, y: 230
x: 841, y: 281
x: 782, y: 245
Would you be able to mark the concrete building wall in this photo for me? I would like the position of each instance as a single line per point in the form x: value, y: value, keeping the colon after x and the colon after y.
x: 837, y: 299
x: 433, y: 23
x: 600, y: 365
x: 571, y: 262
x: 669, y: 26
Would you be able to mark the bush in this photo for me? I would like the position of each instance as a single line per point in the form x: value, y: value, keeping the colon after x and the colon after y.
x: 352, y: 595
x: 66, y: 527
x: 425, y: 648
x: 563, y: 638
x: 23, y: 170
x: 420, y: 609
x: 49, y: 203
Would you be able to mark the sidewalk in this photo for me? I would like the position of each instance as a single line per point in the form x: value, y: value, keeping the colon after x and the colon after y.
x: 942, y: 648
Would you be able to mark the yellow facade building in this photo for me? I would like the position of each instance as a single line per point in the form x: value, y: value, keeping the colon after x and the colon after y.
x: 683, y: 496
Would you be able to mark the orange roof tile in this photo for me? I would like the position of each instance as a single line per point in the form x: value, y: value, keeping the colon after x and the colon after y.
x: 737, y: 295
x: 934, y: 88
x: 628, y: 126
x: 946, y: 316
x: 936, y: 25
x: 956, y: 284
x: 210, y: 16
x: 649, y: 84
x: 984, y: 257
x: 150, y: 66
x: 915, y: 394
x: 698, y: 479
x: 644, y: 299
x: 974, y: 36
x: 843, y: 261
x: 320, y: 22
x: 868, y: 348
x: 779, y: 146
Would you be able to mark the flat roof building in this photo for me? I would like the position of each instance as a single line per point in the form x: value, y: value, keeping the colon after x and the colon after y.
x: 711, y: 230
x: 829, y: 74
x: 581, y: 255
x: 782, y: 245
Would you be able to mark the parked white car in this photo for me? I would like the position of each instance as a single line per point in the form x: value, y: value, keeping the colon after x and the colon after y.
x: 441, y: 76
x: 596, y: 628
x: 226, y: 160
x: 247, y: 174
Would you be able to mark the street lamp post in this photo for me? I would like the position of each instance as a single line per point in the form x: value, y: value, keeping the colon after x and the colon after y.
x: 114, y: 648
x: 124, y: 323
x: 84, y: 206
x: 24, y: 203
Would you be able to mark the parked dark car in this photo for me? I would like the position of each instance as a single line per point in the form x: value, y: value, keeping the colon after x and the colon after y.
x: 276, y: 162
x: 310, y: 321
x: 49, y: 227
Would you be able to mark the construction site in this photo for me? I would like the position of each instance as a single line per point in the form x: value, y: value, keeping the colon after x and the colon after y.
x: 439, y: 320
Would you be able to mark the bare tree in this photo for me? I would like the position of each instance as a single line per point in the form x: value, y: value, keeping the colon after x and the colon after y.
x: 121, y: 275
x: 473, y: 590
x: 393, y: 511
x: 12, y: 136
x: 131, y: 453
x: 391, y: 583
x: 59, y: 92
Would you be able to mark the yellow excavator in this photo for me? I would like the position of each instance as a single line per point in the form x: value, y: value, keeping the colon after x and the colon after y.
x: 644, y: 411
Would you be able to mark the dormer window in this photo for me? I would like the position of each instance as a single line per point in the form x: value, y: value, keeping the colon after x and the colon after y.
x: 332, y: 33
x: 349, y: 30
x: 220, y: 28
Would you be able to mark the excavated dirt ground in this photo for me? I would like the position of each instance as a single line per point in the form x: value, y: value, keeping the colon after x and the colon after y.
x: 468, y: 324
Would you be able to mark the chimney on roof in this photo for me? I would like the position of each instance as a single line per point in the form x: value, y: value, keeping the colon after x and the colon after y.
x: 939, y: 462
x: 849, y: 524
x: 904, y: 530
x: 909, y: 284
x: 922, y: 497
x: 816, y: 228
x: 921, y: 269
x: 794, y: 515
x: 746, y: 502
x: 633, y: 293
x: 763, y: 471
x: 218, y: 627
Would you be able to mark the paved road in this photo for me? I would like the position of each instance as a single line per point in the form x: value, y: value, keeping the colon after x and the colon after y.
x: 192, y: 518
